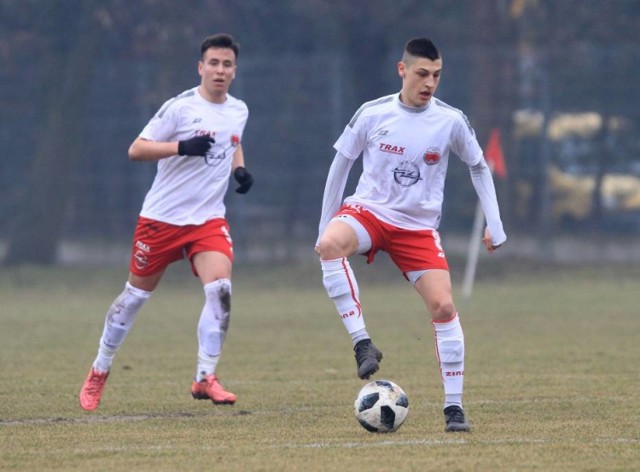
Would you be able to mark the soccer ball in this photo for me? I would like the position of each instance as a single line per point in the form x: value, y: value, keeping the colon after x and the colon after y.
x: 381, y: 406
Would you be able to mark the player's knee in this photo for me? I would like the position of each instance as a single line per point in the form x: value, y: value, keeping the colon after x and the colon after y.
x: 331, y: 246
x: 219, y: 292
x: 218, y: 295
x: 442, y: 310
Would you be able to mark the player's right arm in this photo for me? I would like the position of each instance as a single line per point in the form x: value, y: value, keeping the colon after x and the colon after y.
x: 145, y: 150
x: 334, y: 189
x: 158, y: 138
x: 349, y: 146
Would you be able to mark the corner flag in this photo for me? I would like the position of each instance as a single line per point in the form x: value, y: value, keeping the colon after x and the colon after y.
x: 494, y: 154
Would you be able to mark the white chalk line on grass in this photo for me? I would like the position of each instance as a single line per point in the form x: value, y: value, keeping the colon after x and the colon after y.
x: 440, y: 442
x: 288, y: 411
x: 357, y: 444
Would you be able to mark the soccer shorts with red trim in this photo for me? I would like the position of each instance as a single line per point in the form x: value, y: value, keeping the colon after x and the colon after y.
x: 157, y: 244
x: 410, y: 250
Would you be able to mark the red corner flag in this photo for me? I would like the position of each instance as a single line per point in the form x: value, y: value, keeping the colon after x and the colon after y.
x: 494, y: 155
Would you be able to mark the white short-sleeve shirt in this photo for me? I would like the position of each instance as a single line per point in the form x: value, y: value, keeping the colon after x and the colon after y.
x: 190, y: 190
x: 405, y: 156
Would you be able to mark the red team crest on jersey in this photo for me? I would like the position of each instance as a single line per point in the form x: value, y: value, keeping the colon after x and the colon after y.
x: 235, y: 139
x: 432, y: 156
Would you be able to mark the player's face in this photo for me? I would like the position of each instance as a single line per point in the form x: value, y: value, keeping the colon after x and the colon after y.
x: 217, y: 70
x: 420, y: 79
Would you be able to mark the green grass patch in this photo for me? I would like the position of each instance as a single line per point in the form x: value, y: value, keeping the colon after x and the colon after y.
x: 551, y: 374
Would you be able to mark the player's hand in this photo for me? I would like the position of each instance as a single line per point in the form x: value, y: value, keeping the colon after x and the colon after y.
x: 487, y: 241
x: 244, y: 178
x: 197, y: 146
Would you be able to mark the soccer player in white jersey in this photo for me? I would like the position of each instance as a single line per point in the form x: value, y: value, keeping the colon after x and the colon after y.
x: 196, y: 140
x: 405, y: 140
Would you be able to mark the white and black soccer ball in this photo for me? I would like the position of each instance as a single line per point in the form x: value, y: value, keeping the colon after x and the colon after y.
x: 381, y: 406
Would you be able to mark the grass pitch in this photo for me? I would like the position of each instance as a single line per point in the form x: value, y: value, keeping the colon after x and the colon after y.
x: 552, y: 378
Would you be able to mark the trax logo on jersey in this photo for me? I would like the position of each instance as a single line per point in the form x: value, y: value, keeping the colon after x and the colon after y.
x: 204, y: 132
x: 432, y: 156
x: 391, y: 148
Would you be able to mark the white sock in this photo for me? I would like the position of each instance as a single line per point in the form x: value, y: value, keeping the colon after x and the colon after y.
x: 358, y: 336
x: 342, y: 288
x: 206, y: 365
x: 450, y: 352
x: 213, y: 326
x: 119, y: 320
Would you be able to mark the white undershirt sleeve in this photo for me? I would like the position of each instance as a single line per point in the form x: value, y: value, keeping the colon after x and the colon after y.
x: 483, y: 184
x: 333, y: 189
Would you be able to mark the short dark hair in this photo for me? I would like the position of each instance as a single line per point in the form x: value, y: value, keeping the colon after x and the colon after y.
x: 421, y: 47
x: 221, y: 40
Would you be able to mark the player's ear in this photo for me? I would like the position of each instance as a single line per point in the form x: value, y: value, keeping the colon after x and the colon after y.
x: 402, y: 69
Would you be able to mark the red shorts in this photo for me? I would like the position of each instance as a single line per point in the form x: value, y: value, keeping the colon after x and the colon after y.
x: 409, y: 249
x: 157, y: 244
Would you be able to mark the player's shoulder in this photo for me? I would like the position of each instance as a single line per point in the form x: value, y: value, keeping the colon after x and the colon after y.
x: 451, y: 112
x: 236, y: 103
x: 372, y: 107
x: 175, y: 103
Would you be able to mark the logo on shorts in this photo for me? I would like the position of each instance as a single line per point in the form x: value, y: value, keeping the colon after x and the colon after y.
x: 143, y: 246
x: 141, y: 261
x: 432, y: 156
x: 406, y: 174
x: 227, y: 236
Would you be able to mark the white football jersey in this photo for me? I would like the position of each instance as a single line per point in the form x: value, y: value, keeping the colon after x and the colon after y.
x: 405, y: 156
x: 189, y: 190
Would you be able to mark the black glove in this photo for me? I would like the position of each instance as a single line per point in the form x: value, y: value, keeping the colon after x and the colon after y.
x: 197, y: 146
x: 244, y: 178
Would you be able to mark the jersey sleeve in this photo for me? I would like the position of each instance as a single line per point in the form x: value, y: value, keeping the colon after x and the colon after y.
x: 162, y: 127
x: 465, y: 143
x: 243, y: 117
x: 353, y: 139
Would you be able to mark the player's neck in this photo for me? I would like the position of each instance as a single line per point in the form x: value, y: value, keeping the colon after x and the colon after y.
x: 412, y: 108
x: 213, y: 98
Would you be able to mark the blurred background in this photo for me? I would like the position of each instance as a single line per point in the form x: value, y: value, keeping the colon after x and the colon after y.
x: 555, y: 80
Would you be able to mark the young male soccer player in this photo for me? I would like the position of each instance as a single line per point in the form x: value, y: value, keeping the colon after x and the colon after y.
x: 196, y: 139
x: 405, y: 139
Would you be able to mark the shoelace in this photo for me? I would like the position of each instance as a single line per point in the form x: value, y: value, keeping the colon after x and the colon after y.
x: 95, y: 383
x: 456, y: 416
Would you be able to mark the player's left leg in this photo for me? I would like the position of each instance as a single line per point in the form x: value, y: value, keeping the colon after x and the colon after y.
x: 214, y: 270
x: 118, y: 322
x: 344, y: 237
x: 434, y: 286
